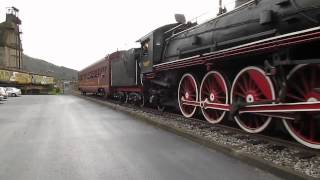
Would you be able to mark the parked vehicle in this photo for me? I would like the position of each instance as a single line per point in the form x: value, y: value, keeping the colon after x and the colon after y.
x: 1, y: 98
x: 3, y: 92
x: 12, y: 91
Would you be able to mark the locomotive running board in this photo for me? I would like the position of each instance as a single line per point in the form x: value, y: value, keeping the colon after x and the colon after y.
x: 283, y: 110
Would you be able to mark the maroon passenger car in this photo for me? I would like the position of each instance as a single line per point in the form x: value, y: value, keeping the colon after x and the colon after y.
x: 116, y: 75
x: 96, y: 77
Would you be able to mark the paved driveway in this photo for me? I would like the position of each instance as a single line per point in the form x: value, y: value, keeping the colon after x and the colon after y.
x: 66, y: 137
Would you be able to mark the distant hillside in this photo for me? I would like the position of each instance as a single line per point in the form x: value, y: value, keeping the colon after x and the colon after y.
x: 46, y: 68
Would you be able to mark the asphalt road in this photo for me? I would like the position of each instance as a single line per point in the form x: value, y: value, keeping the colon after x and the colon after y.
x: 68, y: 138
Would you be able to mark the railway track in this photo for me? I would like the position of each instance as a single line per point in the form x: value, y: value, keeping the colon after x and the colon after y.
x: 299, y: 161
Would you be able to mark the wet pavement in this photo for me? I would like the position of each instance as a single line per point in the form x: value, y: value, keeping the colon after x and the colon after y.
x: 66, y: 138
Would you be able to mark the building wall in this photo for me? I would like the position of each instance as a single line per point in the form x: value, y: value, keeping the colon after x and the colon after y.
x: 2, y: 56
x: 9, y: 58
x: 10, y: 45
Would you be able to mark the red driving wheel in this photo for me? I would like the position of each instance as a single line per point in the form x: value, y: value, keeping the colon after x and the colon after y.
x: 213, y: 89
x: 303, y: 86
x: 188, y: 90
x: 252, y: 85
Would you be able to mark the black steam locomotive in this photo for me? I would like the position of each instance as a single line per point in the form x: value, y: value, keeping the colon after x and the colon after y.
x: 256, y: 63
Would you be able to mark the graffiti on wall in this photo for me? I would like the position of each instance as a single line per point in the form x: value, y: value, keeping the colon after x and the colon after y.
x: 7, y: 76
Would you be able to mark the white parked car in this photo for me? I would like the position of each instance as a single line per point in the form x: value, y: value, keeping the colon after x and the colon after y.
x: 3, y: 92
x: 12, y: 91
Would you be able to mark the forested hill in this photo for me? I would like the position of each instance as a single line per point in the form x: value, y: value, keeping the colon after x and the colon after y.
x: 43, y: 67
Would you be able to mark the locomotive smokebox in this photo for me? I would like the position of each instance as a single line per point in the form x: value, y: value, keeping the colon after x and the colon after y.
x: 240, y: 2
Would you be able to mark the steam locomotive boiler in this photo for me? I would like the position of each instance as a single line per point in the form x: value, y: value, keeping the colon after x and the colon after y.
x: 256, y: 63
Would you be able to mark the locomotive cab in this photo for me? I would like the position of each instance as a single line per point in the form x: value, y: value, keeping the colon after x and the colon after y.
x: 153, y: 44
x: 151, y: 47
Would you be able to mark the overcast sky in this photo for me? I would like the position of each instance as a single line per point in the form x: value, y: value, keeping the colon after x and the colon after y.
x: 76, y: 33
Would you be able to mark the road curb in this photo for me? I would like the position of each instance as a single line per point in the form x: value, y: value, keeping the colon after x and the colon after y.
x: 260, y: 163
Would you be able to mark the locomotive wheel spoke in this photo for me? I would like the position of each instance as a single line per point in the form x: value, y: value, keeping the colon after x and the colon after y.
x: 243, y: 90
x: 188, y: 90
x: 252, y: 85
x: 261, y: 87
x: 301, y: 86
x: 215, y: 90
x: 240, y: 94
